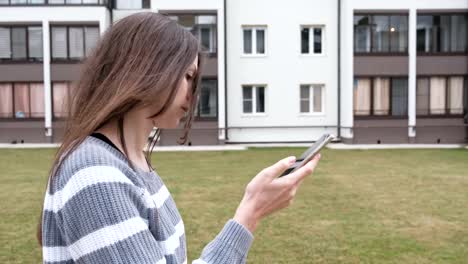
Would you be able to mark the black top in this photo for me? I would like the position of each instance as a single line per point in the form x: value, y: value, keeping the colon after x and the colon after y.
x: 105, y: 139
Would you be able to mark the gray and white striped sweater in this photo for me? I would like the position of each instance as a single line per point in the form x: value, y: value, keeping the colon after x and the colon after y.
x: 97, y: 209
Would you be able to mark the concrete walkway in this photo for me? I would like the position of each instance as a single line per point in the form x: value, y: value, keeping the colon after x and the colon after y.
x: 238, y: 147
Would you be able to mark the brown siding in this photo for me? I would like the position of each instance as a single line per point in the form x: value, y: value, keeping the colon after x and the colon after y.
x: 65, y: 71
x: 380, y: 65
x: 444, y: 130
x: 210, y: 69
x: 27, y: 72
x: 442, y: 65
x: 202, y: 133
x: 387, y: 131
x: 28, y: 131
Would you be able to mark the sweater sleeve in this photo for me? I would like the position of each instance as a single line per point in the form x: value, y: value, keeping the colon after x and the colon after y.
x: 230, y: 246
x: 101, y: 216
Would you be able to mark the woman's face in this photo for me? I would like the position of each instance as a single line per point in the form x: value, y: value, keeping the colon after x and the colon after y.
x: 181, y: 104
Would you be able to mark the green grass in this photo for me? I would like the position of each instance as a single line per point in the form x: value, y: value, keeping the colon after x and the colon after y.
x: 380, y: 206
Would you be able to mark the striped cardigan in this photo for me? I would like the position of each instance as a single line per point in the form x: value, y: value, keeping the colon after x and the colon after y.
x: 97, y: 209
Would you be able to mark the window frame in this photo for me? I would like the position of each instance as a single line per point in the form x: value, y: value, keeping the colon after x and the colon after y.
x: 447, y: 99
x: 254, y: 100
x: 311, y: 28
x: 67, y: 33
x: 371, y: 94
x: 208, y: 118
x: 28, y: 59
x: 371, y: 35
x: 441, y: 53
x: 21, y: 119
x: 69, y: 84
x: 254, y: 29
x: 311, y: 87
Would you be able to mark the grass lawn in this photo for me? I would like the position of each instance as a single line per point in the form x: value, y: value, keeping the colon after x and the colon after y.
x: 379, y: 206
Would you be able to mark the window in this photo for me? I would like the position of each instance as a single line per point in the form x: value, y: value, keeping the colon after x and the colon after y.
x: 22, y: 100
x: 311, y: 98
x: 208, y: 103
x: 253, y: 98
x: 21, y: 43
x: 380, y: 33
x: 73, y: 42
x: 440, y: 95
x: 254, y: 40
x: 315, y: 34
x: 203, y: 27
x: 61, y: 95
x: 133, y: 4
x: 442, y: 33
x: 380, y: 96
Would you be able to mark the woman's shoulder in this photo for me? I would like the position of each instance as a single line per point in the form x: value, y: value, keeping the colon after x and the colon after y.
x: 93, y: 160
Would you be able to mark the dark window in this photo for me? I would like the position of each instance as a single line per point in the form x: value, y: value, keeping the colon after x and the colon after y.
x: 21, y: 43
x: 399, y: 97
x: 73, y: 42
x: 22, y: 100
x: 260, y: 100
x: 305, y: 40
x: 442, y: 33
x: 203, y: 27
x: 260, y: 41
x: 380, y: 33
x: 314, y: 34
x: 208, y: 104
x: 254, y: 40
x: 247, y: 41
x: 247, y: 99
x: 317, y: 40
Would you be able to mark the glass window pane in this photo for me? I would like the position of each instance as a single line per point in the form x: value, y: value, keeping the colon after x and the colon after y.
x: 305, y: 92
x: 247, y: 99
x: 35, y: 42
x: 438, y: 95
x: 37, y: 99
x: 398, y: 33
x: 362, y: 96
x: 60, y: 99
x: 6, y: 100
x: 208, y: 98
x: 399, y: 97
x: 21, y: 100
x: 5, y: 45
x: 129, y: 4
x: 305, y: 40
x: 422, y: 96
x: 205, y: 38
x: 362, y: 39
x: 260, y: 100
x: 18, y: 36
x: 443, y: 23
x: 56, y: 1
x: 455, y: 95
x: 74, y: 2
x: 248, y: 41
x: 18, y: 2
x: 381, y: 96
x: 91, y: 38
x: 3, y: 2
x: 380, y: 34
x: 59, y: 42
x: 318, y: 99
x: 37, y: 2
x: 459, y: 37
x: 317, y: 40
x: 424, y: 33
x: 76, y: 42
x: 305, y: 106
x: 91, y: 2
x: 260, y: 41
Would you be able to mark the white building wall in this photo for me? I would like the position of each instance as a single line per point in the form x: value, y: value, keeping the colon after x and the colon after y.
x: 347, y: 52
x: 282, y: 70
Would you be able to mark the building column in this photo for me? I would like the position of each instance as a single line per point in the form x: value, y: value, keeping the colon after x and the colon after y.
x: 221, y: 76
x: 347, y: 72
x: 412, y: 76
x: 47, y: 85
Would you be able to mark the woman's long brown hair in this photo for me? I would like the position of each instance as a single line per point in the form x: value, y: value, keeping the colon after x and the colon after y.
x: 139, y: 61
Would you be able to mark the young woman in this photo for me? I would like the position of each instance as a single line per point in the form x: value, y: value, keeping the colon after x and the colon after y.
x: 104, y: 203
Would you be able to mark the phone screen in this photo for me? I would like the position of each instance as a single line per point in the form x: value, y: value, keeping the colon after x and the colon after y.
x: 309, y: 154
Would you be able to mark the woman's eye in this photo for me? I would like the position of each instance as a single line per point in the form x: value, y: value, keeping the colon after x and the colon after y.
x: 189, y: 77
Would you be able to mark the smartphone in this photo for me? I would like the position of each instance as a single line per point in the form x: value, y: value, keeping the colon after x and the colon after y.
x: 309, y: 153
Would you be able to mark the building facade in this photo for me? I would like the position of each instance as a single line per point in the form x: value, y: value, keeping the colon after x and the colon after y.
x: 367, y: 71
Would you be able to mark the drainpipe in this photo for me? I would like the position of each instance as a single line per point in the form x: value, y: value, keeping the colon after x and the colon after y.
x: 225, y: 74
x: 339, y: 70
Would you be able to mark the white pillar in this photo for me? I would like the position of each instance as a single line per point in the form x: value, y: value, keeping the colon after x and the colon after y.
x: 221, y: 75
x: 412, y: 75
x: 47, y: 86
x: 347, y: 70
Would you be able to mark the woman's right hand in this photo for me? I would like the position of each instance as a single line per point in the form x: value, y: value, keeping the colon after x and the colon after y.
x: 267, y: 193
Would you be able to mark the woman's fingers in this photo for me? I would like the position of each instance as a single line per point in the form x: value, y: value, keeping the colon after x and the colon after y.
x: 272, y: 172
x: 298, y: 176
